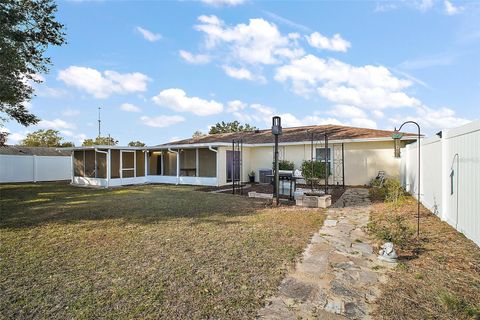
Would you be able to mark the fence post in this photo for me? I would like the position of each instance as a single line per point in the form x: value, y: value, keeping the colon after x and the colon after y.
x: 445, y: 175
x: 34, y: 168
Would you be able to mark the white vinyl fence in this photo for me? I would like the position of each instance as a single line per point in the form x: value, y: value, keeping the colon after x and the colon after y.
x: 449, y: 177
x: 14, y: 168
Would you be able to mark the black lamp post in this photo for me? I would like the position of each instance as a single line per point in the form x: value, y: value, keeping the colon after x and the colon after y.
x: 276, y: 131
x: 396, y: 138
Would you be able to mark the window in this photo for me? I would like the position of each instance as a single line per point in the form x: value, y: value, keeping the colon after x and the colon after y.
x: 320, y: 156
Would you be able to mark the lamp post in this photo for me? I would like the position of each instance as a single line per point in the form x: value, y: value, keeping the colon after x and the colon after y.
x: 397, y: 135
x: 276, y: 131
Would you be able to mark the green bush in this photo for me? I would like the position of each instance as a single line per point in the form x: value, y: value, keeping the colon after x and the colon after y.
x: 315, y: 171
x: 393, y: 228
x: 391, y: 191
x: 285, y: 165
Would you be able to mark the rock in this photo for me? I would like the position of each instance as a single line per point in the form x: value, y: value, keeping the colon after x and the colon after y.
x: 330, y: 223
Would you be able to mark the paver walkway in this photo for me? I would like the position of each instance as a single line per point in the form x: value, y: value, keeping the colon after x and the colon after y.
x: 339, y: 274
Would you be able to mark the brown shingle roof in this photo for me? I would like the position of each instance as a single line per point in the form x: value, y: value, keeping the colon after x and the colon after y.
x: 32, y: 151
x: 294, y: 134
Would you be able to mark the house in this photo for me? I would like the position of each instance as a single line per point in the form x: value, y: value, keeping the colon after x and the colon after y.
x: 355, y: 156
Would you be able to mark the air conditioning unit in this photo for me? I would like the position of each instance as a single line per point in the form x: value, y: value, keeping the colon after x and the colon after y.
x: 265, y: 176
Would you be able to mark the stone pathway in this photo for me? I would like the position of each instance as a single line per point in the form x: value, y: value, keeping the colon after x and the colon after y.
x: 339, y: 274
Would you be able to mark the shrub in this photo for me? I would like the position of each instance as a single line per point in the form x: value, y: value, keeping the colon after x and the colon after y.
x: 315, y: 171
x: 285, y: 165
x: 392, y: 228
x: 391, y: 191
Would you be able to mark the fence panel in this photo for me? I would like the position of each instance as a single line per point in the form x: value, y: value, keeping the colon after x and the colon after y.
x: 15, y: 168
x: 450, y: 176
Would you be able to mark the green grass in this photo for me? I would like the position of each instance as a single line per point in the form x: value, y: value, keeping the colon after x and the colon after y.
x: 142, y: 252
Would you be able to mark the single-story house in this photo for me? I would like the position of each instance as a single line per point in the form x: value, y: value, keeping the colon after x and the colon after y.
x: 355, y: 155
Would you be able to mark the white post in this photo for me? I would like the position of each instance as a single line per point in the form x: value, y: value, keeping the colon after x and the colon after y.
x: 216, y: 163
x: 135, y: 163
x: 96, y: 165
x: 109, y: 167
x: 73, y: 166
x: 445, y: 177
x: 84, y: 167
x: 146, y: 164
x: 162, y: 172
x: 197, y: 161
x: 121, y: 165
x: 178, y: 166
x: 34, y: 168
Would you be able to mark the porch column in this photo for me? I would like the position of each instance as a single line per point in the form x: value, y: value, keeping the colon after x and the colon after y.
x: 178, y: 166
x: 146, y: 163
x: 163, y: 161
x: 197, y: 161
x: 109, y: 168
x: 73, y: 165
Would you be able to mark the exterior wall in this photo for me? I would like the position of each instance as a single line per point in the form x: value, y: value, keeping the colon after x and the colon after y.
x: 363, y: 160
x: 15, y: 168
x: 222, y: 165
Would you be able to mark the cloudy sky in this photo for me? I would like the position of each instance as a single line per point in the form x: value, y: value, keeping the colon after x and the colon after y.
x: 162, y: 70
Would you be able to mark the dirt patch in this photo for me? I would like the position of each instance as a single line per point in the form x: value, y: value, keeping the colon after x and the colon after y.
x: 438, y: 275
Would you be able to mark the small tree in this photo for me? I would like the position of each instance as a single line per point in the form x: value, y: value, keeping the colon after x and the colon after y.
x: 198, y: 134
x: 313, y: 171
x: 284, y: 165
x: 100, y: 141
x: 45, y: 138
x: 3, y: 137
x: 228, y: 127
x: 136, y: 144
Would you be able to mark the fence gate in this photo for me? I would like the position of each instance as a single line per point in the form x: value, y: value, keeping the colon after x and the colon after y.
x: 338, y: 165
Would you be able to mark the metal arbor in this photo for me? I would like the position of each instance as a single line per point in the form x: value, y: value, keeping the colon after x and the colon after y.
x: 333, y: 157
x: 276, y: 131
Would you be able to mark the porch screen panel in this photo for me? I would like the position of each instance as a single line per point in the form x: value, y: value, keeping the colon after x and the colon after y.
x: 140, y: 163
x: 90, y: 163
x: 128, y: 164
x: 170, y: 164
x: 153, y: 158
x: 115, y: 165
x: 101, y: 165
x: 207, y: 163
x: 78, y: 164
x: 188, y: 162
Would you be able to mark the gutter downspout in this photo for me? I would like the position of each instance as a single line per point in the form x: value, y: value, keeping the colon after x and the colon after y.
x: 107, y: 164
x: 216, y: 162
x: 178, y: 164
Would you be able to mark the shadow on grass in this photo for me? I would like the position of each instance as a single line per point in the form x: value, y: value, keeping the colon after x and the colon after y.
x: 27, y: 205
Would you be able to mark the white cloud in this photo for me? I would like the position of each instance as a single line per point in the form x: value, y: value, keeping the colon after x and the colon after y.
x: 235, y: 105
x: 423, y: 5
x: 337, y: 43
x: 368, y: 86
x: 70, y: 112
x: 450, y: 9
x: 428, y: 118
x: 149, y: 35
x: 363, y: 123
x: 15, y: 137
x: 102, y: 85
x: 130, y: 107
x: 258, y: 42
x: 378, y: 114
x: 56, y: 124
x: 243, y: 74
x: 161, y: 121
x: 194, y: 58
x: 219, y: 3
x: 346, y: 111
x: 177, y: 99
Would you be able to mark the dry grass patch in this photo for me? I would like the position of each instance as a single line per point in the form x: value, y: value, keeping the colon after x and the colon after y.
x: 438, y: 276
x: 142, y: 252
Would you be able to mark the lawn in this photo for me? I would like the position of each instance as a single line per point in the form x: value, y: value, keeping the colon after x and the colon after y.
x: 438, y: 275
x: 142, y: 252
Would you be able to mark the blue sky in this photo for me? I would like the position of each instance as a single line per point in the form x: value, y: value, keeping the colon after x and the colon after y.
x: 162, y: 70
